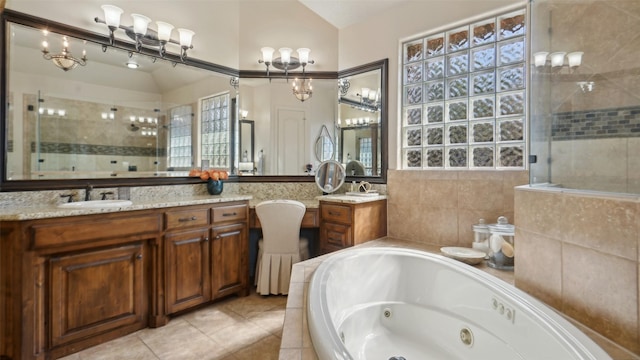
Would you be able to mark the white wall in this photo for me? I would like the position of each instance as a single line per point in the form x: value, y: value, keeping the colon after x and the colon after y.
x: 379, y: 37
x: 216, y: 23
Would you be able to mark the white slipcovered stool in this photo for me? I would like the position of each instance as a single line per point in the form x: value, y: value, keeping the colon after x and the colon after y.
x: 281, y: 245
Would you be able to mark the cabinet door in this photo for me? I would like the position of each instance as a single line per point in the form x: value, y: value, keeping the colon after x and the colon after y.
x: 187, y: 269
x: 229, y: 260
x: 96, y: 291
x: 334, y: 237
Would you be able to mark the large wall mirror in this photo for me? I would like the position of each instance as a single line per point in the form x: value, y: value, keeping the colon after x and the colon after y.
x: 111, y: 125
x: 124, y: 117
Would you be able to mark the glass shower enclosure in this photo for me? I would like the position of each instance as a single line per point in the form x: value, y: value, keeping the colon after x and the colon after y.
x: 585, y: 95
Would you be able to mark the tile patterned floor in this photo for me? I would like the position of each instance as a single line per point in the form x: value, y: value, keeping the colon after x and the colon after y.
x: 232, y: 329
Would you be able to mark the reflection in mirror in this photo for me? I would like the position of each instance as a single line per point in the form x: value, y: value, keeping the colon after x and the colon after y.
x: 362, y: 120
x: 330, y: 176
x: 324, y: 145
x: 121, y: 115
x: 246, y: 165
x: 285, y: 127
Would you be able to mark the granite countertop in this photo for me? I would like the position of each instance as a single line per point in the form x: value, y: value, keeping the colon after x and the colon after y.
x: 52, y: 211
x: 352, y: 199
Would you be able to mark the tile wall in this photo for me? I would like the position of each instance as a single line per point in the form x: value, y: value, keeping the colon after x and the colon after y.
x: 579, y: 253
x: 440, y: 207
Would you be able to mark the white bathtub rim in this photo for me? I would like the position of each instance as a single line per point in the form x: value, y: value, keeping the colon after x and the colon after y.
x: 575, y: 340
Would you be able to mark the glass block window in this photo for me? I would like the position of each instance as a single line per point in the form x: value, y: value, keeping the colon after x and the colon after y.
x: 180, y: 137
x: 365, y: 154
x: 216, y: 130
x: 463, y: 96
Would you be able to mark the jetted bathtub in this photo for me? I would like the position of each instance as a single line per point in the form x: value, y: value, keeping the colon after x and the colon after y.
x: 394, y: 303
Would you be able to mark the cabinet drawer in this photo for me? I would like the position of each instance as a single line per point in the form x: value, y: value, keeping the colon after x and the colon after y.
x: 230, y: 213
x: 336, y: 213
x: 336, y: 236
x: 92, y: 228
x: 178, y: 219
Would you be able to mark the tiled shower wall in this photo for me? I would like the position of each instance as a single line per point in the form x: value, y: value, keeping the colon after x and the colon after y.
x: 586, y: 137
x: 579, y: 253
x: 440, y: 207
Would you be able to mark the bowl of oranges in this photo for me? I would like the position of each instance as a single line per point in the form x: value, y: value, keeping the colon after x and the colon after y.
x: 213, y: 177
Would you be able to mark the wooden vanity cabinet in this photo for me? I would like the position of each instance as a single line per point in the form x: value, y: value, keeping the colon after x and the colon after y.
x: 343, y: 225
x: 70, y: 283
x: 75, y: 282
x: 206, y: 254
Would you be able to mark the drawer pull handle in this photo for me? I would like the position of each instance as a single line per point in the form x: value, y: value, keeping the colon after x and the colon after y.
x: 334, y: 213
x: 230, y: 214
x: 188, y: 219
x: 139, y: 256
x: 206, y: 238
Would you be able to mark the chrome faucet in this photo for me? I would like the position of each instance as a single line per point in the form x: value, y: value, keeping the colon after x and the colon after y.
x: 87, y: 192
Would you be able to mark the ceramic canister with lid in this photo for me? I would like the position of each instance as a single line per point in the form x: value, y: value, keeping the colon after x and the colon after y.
x: 501, y: 244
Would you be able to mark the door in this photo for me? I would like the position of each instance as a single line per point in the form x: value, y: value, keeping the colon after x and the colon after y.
x: 96, y: 291
x: 230, y: 270
x: 292, y: 140
x: 187, y: 269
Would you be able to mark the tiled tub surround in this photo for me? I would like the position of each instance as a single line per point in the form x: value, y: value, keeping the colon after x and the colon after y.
x: 580, y: 253
x: 440, y: 206
x: 296, y: 341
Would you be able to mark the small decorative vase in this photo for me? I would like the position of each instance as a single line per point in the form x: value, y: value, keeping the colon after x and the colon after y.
x: 214, y: 187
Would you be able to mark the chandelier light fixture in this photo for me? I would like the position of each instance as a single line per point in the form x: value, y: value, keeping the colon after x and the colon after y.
x: 285, y: 61
x: 64, y: 60
x: 143, y: 35
x: 302, y: 90
x: 343, y: 86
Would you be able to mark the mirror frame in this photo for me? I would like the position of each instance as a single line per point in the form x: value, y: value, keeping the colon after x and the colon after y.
x: 11, y: 16
x: 383, y: 66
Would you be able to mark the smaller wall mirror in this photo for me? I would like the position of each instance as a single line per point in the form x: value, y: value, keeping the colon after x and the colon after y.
x: 362, y: 122
x: 324, y: 145
x: 330, y: 176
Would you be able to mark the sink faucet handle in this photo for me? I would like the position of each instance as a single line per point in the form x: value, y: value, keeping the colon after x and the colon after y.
x: 68, y: 196
x: 105, y: 193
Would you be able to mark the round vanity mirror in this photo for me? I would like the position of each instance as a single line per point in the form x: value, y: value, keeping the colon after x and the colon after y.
x: 324, y: 145
x: 330, y: 176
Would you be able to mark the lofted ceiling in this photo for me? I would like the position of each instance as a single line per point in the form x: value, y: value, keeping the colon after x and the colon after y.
x: 342, y: 13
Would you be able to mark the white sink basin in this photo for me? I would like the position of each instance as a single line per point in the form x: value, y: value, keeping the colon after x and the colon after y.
x: 95, y: 204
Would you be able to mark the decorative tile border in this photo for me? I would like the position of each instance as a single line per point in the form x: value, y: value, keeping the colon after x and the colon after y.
x: 89, y: 149
x: 596, y: 124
